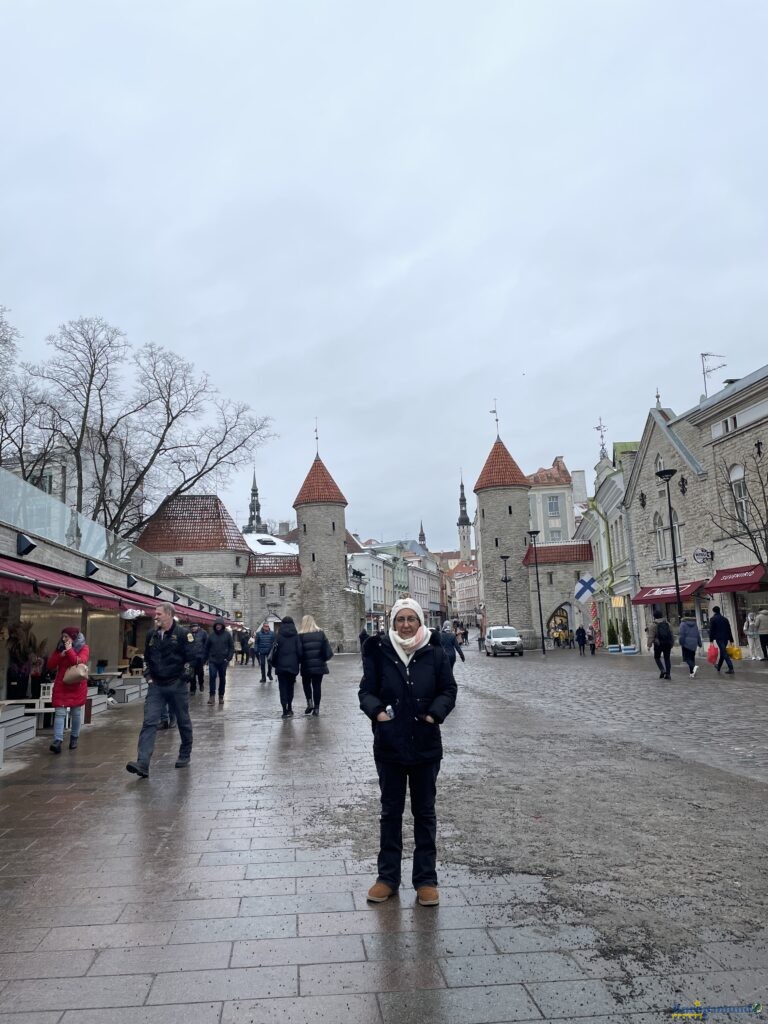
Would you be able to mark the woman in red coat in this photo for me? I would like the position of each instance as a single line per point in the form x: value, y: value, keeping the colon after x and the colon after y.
x: 71, y: 650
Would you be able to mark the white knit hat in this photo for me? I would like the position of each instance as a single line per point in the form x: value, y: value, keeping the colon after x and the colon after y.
x: 406, y: 602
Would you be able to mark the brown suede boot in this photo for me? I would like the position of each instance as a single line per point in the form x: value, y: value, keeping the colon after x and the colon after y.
x: 428, y: 896
x: 380, y: 892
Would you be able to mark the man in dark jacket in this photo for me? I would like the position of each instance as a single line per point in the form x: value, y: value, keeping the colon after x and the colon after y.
x: 199, y: 647
x: 407, y: 690
x: 720, y: 633
x: 265, y: 638
x: 219, y: 652
x: 168, y: 660
x: 285, y: 659
x: 661, y: 639
x: 450, y: 644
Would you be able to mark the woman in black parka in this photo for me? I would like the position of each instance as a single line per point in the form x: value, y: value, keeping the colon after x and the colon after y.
x: 285, y: 659
x: 316, y: 652
x: 407, y: 690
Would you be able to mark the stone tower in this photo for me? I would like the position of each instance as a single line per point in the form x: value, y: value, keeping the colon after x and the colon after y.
x: 422, y: 535
x: 502, y: 521
x: 323, y: 557
x: 255, y: 524
x: 465, y: 526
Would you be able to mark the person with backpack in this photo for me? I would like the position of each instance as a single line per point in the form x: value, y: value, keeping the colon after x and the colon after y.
x: 661, y: 638
x: 690, y: 640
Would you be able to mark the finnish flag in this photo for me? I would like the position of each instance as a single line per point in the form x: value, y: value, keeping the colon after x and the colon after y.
x: 585, y: 589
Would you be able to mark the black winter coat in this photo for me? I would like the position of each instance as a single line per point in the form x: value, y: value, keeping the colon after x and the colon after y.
x: 220, y: 646
x: 450, y: 644
x: 425, y: 687
x: 720, y: 629
x: 285, y: 655
x: 315, y: 653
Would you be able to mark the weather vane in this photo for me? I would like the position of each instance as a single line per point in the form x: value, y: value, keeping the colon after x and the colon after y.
x: 495, y: 413
x: 601, y: 429
x: 317, y: 438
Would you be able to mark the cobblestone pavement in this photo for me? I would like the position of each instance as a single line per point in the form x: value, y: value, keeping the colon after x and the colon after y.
x: 603, y: 856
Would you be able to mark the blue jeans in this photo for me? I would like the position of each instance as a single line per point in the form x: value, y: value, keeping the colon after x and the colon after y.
x: 263, y: 655
x: 215, y: 670
x: 59, y: 718
x: 724, y: 656
x: 394, y: 781
x: 168, y: 715
x: 176, y: 696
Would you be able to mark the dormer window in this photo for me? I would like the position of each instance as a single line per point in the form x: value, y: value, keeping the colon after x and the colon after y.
x: 658, y: 465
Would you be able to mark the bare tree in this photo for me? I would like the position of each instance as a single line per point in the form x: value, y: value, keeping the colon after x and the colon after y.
x: 139, y: 427
x: 742, y: 504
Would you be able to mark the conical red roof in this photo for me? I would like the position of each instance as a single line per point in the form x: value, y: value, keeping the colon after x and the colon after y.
x: 500, y: 470
x: 319, y: 488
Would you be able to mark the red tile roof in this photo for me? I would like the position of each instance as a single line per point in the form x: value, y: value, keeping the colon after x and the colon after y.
x: 554, y: 554
x: 192, y: 522
x: 274, y: 565
x: 500, y: 470
x: 319, y: 488
x: 556, y: 474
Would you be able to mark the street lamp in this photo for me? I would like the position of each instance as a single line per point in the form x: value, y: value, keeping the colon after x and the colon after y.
x: 666, y: 475
x: 505, y: 580
x: 533, y: 534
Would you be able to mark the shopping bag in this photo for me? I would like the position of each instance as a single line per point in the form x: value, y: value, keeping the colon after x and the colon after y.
x: 734, y: 651
x: 713, y: 653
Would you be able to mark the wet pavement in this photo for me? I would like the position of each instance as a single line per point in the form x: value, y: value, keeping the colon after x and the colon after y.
x: 603, y: 845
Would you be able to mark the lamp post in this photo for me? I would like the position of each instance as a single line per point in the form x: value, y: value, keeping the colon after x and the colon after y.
x: 533, y: 534
x: 666, y: 475
x: 505, y: 581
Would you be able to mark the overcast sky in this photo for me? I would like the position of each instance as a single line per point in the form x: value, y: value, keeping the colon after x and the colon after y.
x: 387, y: 215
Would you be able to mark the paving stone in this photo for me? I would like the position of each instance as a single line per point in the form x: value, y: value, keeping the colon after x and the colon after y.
x: 738, y: 955
x: 65, y: 916
x: 375, y: 976
x: 177, y: 1013
x: 52, y: 1017
x: 21, y: 939
x: 347, y: 1009
x: 595, y: 965
x: 294, y: 869
x: 428, y: 945
x: 306, y: 903
x: 459, y: 1006
x: 162, y: 959
x: 231, y: 929
x: 180, y: 910
x: 75, y: 993
x: 339, y: 949
x: 575, y: 998
x: 449, y: 897
x: 529, y: 938
x: 508, y: 969
x: 505, y: 894
x: 248, y: 856
x: 108, y: 936
x: 69, y: 964
x: 238, y: 983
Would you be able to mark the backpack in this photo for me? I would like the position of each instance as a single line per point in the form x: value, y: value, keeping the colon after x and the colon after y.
x: 664, y: 635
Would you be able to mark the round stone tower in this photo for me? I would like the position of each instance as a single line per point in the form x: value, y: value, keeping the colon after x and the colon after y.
x: 323, y: 555
x: 502, y: 521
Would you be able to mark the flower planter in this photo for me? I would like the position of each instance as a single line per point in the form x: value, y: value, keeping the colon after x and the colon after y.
x: 628, y: 649
x: 614, y: 648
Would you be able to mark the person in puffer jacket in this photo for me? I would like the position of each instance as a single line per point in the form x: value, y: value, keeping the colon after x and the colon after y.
x: 265, y: 640
x: 407, y: 691
x: 690, y: 640
x: 219, y: 651
x: 316, y: 652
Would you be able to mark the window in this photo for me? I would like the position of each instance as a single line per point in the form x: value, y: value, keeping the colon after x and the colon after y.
x: 304, y: 527
x: 678, y: 535
x: 333, y: 527
x: 237, y: 559
x: 496, y: 541
x: 729, y: 424
x: 577, y: 575
x: 178, y: 561
x: 262, y: 590
x: 482, y: 513
x: 658, y: 464
x: 509, y: 507
x: 550, y: 578
x: 553, y: 505
x: 739, y: 491
x: 313, y: 556
x: 555, y: 536
x: 282, y: 590
x: 661, y: 540
x: 235, y: 589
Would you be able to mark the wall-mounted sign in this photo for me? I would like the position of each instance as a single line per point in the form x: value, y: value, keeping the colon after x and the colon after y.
x: 702, y: 556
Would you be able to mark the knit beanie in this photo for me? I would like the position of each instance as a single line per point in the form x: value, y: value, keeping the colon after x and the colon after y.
x: 72, y: 632
x: 402, y: 604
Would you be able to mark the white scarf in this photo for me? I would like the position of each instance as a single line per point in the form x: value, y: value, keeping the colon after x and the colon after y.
x: 407, y: 647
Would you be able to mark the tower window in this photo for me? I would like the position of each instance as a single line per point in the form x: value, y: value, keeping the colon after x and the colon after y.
x: 282, y: 590
x: 237, y: 559
x: 313, y: 556
x: 304, y: 527
x: 496, y: 541
x: 550, y: 578
x: 509, y: 508
x: 482, y: 513
x: 262, y: 590
x: 333, y: 527
x: 179, y: 561
x: 235, y: 589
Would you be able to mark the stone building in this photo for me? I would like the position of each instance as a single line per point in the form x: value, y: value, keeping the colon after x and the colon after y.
x: 560, y: 568
x: 501, y: 523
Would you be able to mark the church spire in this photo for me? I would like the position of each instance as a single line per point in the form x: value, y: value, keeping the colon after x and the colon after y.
x: 255, y: 524
x: 464, y: 525
x: 422, y: 535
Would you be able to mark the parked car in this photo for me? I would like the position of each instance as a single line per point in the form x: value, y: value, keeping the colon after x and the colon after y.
x: 503, y: 640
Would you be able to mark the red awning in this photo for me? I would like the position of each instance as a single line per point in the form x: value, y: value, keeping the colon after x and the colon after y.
x: 33, y: 580
x: 742, y: 577
x: 666, y: 594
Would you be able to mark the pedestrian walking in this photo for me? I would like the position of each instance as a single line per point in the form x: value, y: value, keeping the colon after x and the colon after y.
x: 70, y: 686
x: 661, y: 639
x: 581, y: 640
x: 480, y: 642
x: 199, y: 647
x: 752, y: 634
x: 721, y: 634
x: 265, y: 639
x: 316, y: 652
x: 219, y: 652
x: 591, y: 639
x: 690, y: 641
x: 407, y: 691
x: 450, y: 644
x: 242, y: 644
x: 285, y: 659
x: 168, y: 661
x: 253, y: 651
x: 761, y: 621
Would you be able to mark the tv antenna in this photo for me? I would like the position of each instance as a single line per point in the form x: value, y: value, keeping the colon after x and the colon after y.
x: 706, y: 369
